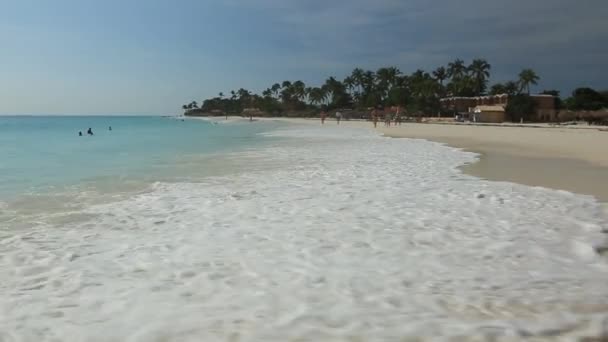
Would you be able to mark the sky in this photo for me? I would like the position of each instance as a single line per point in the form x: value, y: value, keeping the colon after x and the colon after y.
x: 152, y: 56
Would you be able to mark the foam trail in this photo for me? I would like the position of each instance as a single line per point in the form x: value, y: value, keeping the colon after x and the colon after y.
x: 336, y: 235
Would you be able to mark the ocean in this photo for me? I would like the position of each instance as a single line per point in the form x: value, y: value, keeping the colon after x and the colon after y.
x: 170, y: 230
x: 46, y: 153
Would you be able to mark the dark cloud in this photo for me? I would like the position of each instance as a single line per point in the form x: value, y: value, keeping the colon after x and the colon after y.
x: 566, y: 41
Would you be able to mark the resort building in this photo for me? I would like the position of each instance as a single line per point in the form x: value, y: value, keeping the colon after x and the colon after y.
x: 489, y: 108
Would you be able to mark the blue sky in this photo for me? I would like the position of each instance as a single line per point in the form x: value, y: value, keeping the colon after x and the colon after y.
x: 151, y: 56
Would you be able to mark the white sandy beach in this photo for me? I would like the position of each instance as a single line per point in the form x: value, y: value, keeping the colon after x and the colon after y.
x: 572, y: 159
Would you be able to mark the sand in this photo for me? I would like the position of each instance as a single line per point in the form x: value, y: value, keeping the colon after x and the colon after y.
x: 571, y: 159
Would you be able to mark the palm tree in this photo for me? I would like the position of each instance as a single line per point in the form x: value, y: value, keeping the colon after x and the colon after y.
x: 511, y: 88
x: 221, y: 94
x: 526, y: 78
x: 185, y: 107
x: 358, y: 78
x: 299, y: 90
x: 440, y: 74
x: 349, y: 82
x: 333, y: 88
x: 316, y: 95
x: 480, y: 71
x: 498, y: 89
x: 456, y: 69
x: 275, y: 89
x: 386, y: 79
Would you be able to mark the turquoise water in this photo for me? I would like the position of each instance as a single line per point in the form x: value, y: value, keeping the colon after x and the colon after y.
x: 38, y: 154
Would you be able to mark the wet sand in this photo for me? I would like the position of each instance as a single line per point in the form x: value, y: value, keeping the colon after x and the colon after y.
x: 570, y: 159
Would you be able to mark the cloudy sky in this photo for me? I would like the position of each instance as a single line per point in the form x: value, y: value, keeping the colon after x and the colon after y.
x: 151, y: 56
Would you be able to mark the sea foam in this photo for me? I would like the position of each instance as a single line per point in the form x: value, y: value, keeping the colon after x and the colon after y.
x: 331, y: 234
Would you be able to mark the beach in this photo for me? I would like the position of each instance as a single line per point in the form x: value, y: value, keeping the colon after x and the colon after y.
x: 572, y: 159
x: 304, y: 233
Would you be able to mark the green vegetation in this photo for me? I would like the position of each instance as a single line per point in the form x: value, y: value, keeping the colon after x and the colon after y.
x: 521, y: 107
x: 418, y: 92
x: 586, y: 99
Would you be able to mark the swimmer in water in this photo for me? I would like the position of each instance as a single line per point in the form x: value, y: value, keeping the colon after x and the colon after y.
x: 89, y: 131
x: 80, y: 133
x: 109, y: 128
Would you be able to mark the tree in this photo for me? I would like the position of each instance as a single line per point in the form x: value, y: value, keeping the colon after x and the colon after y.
x: 480, y: 72
x: 185, y: 107
x: 299, y: 90
x: 527, y: 77
x: 586, y: 99
x: 385, y: 80
x: 358, y: 77
x: 275, y: 89
x: 349, y: 82
x: 316, y: 96
x: 463, y: 86
x: 498, y: 89
x: 521, y: 108
x: 221, y: 94
x: 456, y: 69
x: 440, y: 74
x: 511, y: 88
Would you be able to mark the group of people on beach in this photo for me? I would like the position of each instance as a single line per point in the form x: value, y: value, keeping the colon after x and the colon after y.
x: 388, y: 116
x: 324, y: 116
x: 376, y: 114
x: 90, y: 131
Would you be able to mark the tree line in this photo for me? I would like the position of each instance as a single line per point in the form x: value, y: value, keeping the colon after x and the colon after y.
x: 418, y: 92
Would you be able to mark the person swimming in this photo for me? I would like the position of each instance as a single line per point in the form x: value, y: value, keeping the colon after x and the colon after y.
x: 89, y: 131
x: 109, y: 128
x: 79, y: 133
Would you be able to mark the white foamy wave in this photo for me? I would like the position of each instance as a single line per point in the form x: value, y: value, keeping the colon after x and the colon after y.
x: 350, y: 237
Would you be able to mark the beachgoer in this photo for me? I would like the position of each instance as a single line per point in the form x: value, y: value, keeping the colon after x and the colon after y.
x: 338, y: 117
x: 323, y: 115
x: 375, y: 117
x: 398, y: 116
x: 387, y: 119
x: 79, y: 133
x: 89, y: 131
x: 109, y: 128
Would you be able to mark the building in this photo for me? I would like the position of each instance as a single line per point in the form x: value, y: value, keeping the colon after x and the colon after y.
x: 488, y: 113
x: 545, y: 105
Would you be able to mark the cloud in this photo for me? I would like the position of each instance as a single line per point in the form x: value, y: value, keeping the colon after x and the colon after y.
x: 546, y: 34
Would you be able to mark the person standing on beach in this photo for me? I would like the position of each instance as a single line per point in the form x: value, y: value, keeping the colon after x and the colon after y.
x: 398, y: 116
x: 387, y: 119
x: 375, y: 117
x: 323, y: 115
x: 338, y: 117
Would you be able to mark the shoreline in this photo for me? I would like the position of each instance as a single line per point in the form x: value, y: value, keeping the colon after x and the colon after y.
x: 561, y: 159
x: 568, y: 159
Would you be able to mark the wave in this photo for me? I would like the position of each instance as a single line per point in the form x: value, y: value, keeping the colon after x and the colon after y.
x: 332, y: 234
